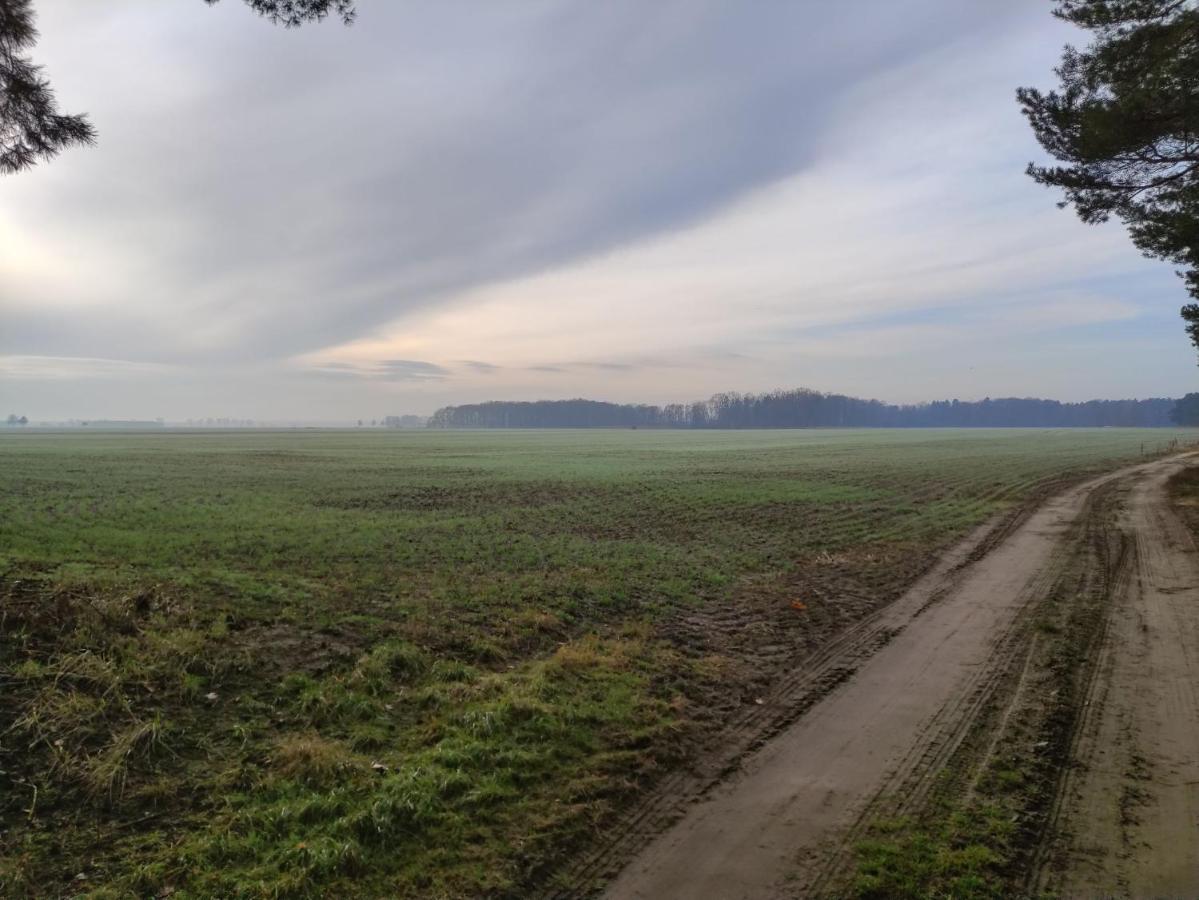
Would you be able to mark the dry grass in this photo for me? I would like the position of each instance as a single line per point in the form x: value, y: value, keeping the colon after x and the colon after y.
x: 311, y: 759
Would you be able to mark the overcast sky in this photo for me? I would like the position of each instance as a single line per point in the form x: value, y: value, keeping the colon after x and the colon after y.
x: 450, y: 202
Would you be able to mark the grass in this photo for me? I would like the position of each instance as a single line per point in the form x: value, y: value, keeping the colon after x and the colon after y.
x: 962, y: 853
x: 418, y: 664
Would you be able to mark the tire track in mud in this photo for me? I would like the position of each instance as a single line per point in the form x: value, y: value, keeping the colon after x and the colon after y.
x: 1126, y: 818
x: 883, y: 705
x: 1025, y: 689
x: 789, y: 698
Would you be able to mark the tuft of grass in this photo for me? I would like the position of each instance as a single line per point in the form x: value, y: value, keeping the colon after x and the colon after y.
x: 106, y: 772
x: 389, y: 661
x: 309, y: 759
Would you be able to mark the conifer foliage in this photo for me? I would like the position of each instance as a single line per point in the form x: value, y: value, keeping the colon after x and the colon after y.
x: 32, y: 129
x: 1124, y: 122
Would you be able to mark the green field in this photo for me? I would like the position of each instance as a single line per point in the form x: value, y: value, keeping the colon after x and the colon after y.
x: 431, y: 663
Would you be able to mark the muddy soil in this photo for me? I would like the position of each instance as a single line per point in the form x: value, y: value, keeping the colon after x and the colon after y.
x: 882, y: 708
x: 1128, y: 815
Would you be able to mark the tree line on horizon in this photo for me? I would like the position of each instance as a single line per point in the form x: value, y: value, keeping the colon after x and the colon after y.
x: 803, y: 408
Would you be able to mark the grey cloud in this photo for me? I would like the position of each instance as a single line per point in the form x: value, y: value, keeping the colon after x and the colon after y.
x: 333, y: 373
x: 607, y: 366
x: 410, y: 370
x: 320, y: 182
x: 688, y: 360
x: 383, y: 370
x: 76, y: 367
x: 481, y: 368
x: 637, y: 363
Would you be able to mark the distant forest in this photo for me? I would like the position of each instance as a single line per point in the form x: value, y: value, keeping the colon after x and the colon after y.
x: 807, y: 409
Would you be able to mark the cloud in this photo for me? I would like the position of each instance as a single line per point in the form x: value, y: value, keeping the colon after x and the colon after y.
x: 619, y: 199
x: 608, y: 366
x: 881, y: 252
x: 410, y: 369
x: 482, y: 368
x: 59, y: 368
x: 382, y: 370
x: 441, y: 148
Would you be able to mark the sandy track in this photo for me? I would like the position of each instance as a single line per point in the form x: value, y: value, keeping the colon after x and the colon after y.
x: 916, y: 675
x: 1128, y: 820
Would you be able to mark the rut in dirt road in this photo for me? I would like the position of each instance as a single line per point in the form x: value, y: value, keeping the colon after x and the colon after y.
x: 773, y: 827
x: 1128, y: 819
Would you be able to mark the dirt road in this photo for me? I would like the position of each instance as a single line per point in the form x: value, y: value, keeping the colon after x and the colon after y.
x: 918, y: 674
x: 1128, y: 820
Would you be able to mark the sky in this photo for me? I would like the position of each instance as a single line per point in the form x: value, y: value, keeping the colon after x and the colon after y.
x: 454, y: 202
